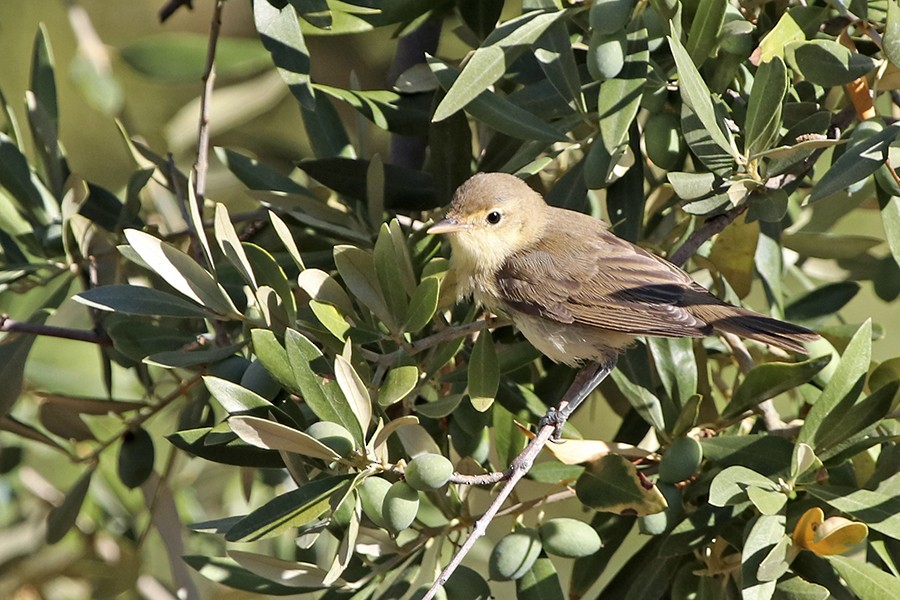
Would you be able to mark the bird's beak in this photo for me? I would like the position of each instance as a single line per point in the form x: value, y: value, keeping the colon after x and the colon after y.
x: 448, y: 225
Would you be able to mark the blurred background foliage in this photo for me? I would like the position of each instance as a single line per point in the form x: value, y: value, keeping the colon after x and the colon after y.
x: 92, y: 424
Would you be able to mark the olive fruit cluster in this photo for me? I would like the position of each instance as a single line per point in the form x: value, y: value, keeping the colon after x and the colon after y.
x: 516, y: 552
x: 394, y: 506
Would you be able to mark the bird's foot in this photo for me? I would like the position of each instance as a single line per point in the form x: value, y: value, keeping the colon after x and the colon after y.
x: 555, y: 418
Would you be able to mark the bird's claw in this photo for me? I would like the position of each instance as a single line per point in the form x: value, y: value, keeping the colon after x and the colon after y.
x: 556, y: 419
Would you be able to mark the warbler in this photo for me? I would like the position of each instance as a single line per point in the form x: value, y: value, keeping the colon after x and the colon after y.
x: 575, y: 290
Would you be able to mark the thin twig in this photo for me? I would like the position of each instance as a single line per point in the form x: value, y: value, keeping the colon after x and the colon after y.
x: 80, y: 335
x: 709, y: 228
x: 201, y: 167
x: 586, y: 380
x: 518, y: 469
x: 140, y: 419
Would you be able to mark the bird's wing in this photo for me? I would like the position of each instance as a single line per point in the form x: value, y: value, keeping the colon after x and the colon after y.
x: 607, y: 283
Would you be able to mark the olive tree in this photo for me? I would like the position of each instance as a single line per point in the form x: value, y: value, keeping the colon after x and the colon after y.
x: 312, y: 408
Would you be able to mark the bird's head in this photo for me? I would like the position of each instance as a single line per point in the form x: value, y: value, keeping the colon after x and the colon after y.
x: 491, y: 217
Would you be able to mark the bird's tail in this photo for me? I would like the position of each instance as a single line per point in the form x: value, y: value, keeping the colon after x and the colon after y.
x: 748, y: 324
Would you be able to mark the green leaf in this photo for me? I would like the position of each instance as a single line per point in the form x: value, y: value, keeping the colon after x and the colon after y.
x: 858, y: 162
x: 258, y: 176
x: 181, y: 272
x: 730, y: 486
x: 484, y: 372
x: 644, y: 402
x: 404, y: 188
x: 138, y: 337
x: 488, y: 64
x: 704, y: 31
x: 294, y: 509
x: 697, y: 96
x: 423, y: 304
x: 228, y: 573
x: 354, y: 391
x: 620, y: 97
x: 785, y: 31
x: 404, y: 114
x: 331, y: 318
x: 17, y: 179
x: 270, y: 435
x: 388, y: 266
x: 867, y: 581
x: 822, y: 301
x: 828, y: 63
x: 691, y: 186
x: 325, y: 400
x: 540, y: 582
x: 767, y: 380
x: 676, y: 366
x: 766, y: 501
x: 878, y: 508
x: 764, y: 534
x: 796, y: 588
x: 13, y: 356
x: 138, y: 300
x: 397, y: 384
x: 233, y: 397
x: 851, y: 419
x: 300, y: 575
x: 890, y: 39
x: 181, y: 57
x: 326, y: 133
x: 554, y: 54
x: 498, y: 112
x: 357, y: 269
x: 280, y: 33
x: 181, y: 359
x: 62, y: 517
x: 230, y: 244
x: 611, y: 484
x: 273, y: 356
x: 844, y: 386
x: 480, y: 15
x: 763, y: 120
x: 43, y: 80
x: 701, y: 142
x: 234, y: 451
x: 268, y: 272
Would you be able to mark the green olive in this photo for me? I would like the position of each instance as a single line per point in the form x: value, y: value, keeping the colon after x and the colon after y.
x: 610, y: 16
x: 428, y: 472
x: 371, y: 496
x: 514, y: 554
x: 663, y: 141
x: 681, y: 460
x: 332, y: 435
x: 569, y: 537
x: 401, y: 503
x: 606, y: 55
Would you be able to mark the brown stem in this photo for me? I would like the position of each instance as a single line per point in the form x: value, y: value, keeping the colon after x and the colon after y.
x: 80, y: 335
x: 709, y: 228
x: 201, y: 167
x: 585, y: 382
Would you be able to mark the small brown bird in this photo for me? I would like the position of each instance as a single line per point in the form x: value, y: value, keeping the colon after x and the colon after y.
x: 575, y: 290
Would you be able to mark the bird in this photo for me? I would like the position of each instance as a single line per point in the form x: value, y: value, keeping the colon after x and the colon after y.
x: 579, y: 293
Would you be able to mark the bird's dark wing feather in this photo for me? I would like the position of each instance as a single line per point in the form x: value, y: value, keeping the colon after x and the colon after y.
x: 608, y: 283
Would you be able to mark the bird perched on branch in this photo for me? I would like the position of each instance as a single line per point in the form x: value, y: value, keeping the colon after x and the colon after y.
x: 579, y: 293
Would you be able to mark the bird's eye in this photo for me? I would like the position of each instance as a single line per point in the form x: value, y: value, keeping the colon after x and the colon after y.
x: 493, y: 217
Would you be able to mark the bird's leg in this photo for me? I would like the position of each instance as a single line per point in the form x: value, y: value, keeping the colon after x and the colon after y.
x: 586, y: 381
